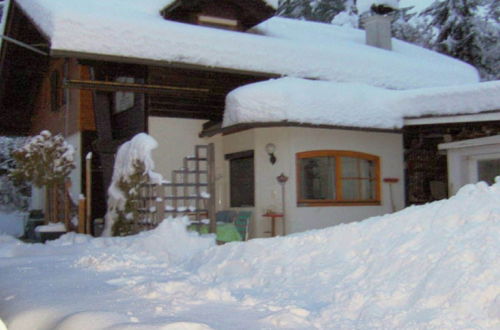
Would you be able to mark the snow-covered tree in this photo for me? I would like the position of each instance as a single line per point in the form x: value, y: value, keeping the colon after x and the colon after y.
x: 12, y: 197
x: 464, y: 33
x: 465, y: 29
x: 295, y: 9
x: 455, y: 23
x: 326, y: 10
x: 133, y: 167
x: 44, y: 161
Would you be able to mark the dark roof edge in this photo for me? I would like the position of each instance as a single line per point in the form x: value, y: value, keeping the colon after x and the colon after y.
x: 151, y: 62
x: 211, y: 131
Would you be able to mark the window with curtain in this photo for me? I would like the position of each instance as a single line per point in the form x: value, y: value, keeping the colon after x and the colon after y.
x: 332, y: 177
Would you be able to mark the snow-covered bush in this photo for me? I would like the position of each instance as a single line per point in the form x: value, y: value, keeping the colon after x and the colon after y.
x: 44, y: 161
x: 133, y: 167
x: 12, y: 197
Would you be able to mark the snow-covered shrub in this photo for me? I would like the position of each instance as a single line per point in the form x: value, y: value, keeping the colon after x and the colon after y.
x: 133, y: 167
x: 12, y: 197
x: 44, y: 161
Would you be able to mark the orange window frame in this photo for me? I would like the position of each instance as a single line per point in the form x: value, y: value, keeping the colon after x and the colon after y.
x: 338, y: 201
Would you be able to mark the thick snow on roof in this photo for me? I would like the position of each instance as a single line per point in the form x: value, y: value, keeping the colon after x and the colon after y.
x: 135, y: 29
x: 352, y: 105
x: 406, y: 66
x: 434, y: 266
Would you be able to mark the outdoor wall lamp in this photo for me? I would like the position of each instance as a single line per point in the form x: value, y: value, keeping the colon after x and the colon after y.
x: 270, y: 149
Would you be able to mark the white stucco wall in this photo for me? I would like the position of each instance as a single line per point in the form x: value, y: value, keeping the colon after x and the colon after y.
x: 177, y: 138
x: 289, y: 141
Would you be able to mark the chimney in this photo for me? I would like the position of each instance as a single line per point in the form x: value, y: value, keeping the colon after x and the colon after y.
x: 378, y: 31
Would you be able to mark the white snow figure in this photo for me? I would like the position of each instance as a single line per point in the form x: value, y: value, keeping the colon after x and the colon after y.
x: 365, y: 5
x: 137, y: 149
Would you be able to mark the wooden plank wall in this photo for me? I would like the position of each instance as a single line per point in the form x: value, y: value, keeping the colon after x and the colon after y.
x: 200, y: 105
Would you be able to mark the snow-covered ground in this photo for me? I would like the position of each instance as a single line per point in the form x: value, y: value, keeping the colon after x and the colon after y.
x: 435, y: 266
x: 12, y: 223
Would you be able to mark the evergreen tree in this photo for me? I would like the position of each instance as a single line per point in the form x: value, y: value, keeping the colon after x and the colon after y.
x: 12, y: 197
x: 454, y: 20
x: 295, y: 9
x: 468, y: 30
x: 326, y: 10
x: 44, y: 161
x: 463, y: 34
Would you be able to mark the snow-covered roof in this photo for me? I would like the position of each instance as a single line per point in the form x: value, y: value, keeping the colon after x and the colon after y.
x: 352, y: 104
x: 135, y: 29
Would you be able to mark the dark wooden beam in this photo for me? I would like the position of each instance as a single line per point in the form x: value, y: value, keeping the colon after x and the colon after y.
x: 246, y: 126
x: 111, y: 86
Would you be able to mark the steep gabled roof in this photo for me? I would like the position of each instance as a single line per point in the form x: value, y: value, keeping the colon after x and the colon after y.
x: 134, y: 31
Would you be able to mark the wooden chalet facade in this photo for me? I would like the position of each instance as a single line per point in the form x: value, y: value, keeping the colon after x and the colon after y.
x: 72, y: 93
x: 99, y: 101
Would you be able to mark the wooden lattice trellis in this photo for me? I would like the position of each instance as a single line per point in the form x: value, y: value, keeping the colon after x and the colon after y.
x: 190, y: 192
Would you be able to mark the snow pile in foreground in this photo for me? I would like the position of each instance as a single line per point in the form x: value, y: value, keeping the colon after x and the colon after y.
x: 352, y: 105
x: 435, y: 266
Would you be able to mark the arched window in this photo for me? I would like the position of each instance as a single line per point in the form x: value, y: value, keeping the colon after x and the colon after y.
x: 337, y: 177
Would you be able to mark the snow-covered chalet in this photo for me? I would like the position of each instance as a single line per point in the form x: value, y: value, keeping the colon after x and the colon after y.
x: 357, y: 121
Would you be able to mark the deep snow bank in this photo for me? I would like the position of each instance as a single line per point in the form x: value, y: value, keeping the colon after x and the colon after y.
x: 435, y: 266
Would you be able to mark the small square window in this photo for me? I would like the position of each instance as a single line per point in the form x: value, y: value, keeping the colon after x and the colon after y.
x: 124, y: 101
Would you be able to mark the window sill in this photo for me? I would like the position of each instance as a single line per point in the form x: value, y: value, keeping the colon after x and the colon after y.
x: 342, y: 203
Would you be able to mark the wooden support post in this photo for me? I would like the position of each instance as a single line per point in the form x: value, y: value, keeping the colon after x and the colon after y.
x: 160, y: 211
x: 185, y: 181
x: 67, y: 205
x: 174, y: 193
x: 211, y: 187
x: 88, y: 193
x: 81, y: 216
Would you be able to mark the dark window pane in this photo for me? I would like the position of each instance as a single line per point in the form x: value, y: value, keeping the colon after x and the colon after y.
x: 124, y: 100
x: 317, y: 178
x: 488, y: 169
x: 242, y: 182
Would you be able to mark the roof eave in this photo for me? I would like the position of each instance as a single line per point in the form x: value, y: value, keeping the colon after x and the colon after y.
x: 152, y: 62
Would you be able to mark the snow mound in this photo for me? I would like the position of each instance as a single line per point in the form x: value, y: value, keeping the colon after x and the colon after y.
x: 435, y: 266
